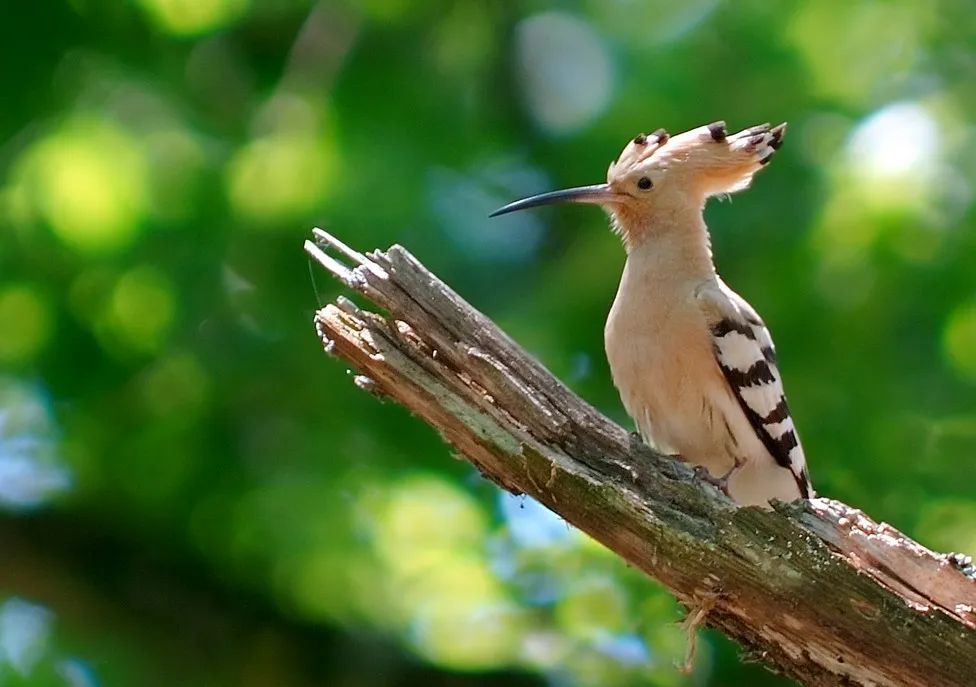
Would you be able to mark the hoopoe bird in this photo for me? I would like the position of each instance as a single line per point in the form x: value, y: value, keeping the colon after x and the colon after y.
x: 694, y: 364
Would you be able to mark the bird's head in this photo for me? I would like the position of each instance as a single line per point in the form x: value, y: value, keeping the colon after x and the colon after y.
x: 658, y: 177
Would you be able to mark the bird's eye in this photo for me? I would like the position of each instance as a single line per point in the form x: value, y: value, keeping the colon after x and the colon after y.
x: 644, y: 183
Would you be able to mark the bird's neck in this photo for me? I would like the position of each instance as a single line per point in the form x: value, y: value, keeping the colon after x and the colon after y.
x: 670, y: 244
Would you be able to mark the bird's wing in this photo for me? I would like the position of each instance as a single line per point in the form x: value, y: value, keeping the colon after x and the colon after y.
x: 745, y: 353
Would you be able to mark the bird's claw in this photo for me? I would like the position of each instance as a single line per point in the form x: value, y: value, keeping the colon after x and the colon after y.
x: 720, y: 483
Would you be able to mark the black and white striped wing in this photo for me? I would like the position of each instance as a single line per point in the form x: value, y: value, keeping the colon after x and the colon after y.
x: 744, y: 351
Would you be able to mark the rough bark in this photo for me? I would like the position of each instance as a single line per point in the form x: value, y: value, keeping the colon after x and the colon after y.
x: 816, y: 589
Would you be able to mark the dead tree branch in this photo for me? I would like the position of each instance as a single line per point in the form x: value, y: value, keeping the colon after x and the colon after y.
x: 818, y: 589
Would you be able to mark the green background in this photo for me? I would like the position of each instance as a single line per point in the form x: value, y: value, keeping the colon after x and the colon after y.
x: 193, y: 494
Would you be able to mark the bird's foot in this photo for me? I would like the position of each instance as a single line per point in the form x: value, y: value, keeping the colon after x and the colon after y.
x: 720, y: 483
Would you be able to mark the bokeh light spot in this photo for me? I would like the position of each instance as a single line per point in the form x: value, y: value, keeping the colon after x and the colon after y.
x: 88, y: 181
x: 302, y: 582
x: 884, y: 186
x: 142, y: 308
x: 464, y: 41
x: 25, y: 630
x: 193, y: 17
x: 31, y: 472
x: 466, y: 622
x: 281, y: 176
x: 426, y: 512
x: 461, y: 204
x: 16, y: 206
x: 77, y: 673
x: 27, y: 323
x: 431, y: 536
x: 897, y: 144
x: 650, y: 21
x: 959, y: 341
x: 176, y: 388
x: 624, y: 648
x: 177, y: 162
x: 843, y: 63
x: 594, y: 606
x: 566, y: 72
x: 531, y: 524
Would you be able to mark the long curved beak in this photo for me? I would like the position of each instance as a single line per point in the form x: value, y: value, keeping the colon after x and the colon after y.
x: 598, y: 193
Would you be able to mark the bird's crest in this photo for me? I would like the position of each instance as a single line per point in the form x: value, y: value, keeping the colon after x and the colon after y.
x: 640, y: 148
x: 706, y: 158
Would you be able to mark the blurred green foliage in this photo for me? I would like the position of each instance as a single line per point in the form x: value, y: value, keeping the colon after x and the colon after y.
x: 193, y: 494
